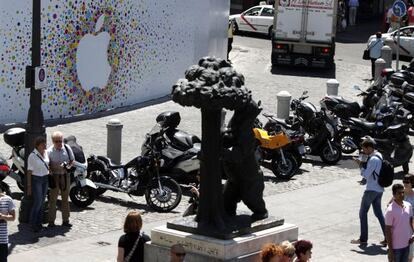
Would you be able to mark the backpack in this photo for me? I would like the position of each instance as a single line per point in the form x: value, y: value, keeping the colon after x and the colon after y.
x: 386, y: 175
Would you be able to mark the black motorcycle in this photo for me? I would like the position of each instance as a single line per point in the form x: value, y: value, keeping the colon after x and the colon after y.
x: 180, y: 154
x: 140, y: 176
x: 320, y: 128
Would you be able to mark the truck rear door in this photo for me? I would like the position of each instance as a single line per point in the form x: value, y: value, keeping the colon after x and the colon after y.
x: 321, y: 18
x: 288, y: 22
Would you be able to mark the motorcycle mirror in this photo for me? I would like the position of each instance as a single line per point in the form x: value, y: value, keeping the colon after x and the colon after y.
x: 305, y: 93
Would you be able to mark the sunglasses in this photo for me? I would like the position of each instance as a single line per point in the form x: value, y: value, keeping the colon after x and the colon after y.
x: 179, y: 254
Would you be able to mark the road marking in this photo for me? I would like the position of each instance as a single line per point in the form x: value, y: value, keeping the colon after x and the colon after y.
x: 248, y: 23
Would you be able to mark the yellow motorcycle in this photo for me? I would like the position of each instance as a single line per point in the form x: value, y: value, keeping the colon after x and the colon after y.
x: 271, y: 144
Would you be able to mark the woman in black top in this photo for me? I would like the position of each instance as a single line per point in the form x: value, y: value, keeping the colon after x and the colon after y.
x: 131, y: 244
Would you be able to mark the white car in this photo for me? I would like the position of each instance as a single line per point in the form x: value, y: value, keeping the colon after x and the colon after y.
x: 257, y: 19
x: 406, y: 40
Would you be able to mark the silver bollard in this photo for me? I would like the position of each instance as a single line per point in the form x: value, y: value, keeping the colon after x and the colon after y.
x: 332, y: 86
x: 389, y: 42
x: 283, y: 104
x: 386, y: 54
x: 114, y: 140
x: 379, y: 66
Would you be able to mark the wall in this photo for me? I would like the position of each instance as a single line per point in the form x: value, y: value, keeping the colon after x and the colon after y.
x: 103, y: 54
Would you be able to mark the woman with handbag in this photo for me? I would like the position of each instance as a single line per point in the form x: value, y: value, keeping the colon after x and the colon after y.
x: 374, y: 47
x: 131, y: 244
x: 37, y: 181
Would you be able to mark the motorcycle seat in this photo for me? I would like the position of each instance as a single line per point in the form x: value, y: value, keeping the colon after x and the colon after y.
x: 363, y: 123
x: 182, y: 140
x: 109, y: 163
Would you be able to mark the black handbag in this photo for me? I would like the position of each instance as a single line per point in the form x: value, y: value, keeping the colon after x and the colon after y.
x: 365, y: 56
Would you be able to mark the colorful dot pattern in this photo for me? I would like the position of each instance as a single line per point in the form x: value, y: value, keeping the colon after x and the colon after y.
x: 144, y: 45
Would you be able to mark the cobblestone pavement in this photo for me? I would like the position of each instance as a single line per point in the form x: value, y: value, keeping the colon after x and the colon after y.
x: 107, y: 212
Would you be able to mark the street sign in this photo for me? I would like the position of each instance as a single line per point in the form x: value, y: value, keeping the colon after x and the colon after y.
x: 399, y: 8
x: 40, y: 77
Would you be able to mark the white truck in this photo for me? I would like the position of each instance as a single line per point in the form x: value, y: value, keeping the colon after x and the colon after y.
x: 304, y: 33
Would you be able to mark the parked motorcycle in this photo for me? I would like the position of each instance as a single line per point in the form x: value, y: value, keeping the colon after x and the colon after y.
x: 140, y: 176
x: 283, y: 163
x: 4, y: 172
x: 180, y: 154
x: 320, y: 128
x: 82, y: 190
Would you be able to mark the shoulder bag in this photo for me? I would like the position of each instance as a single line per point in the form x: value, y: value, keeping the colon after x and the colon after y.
x: 366, y: 56
x: 127, y: 258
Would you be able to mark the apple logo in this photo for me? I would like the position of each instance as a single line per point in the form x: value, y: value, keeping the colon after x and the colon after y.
x: 92, y: 64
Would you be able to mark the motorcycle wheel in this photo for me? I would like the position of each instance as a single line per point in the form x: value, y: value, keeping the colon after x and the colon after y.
x: 97, y: 176
x: 166, y: 200
x: 284, y: 171
x: 345, y: 148
x: 298, y: 158
x: 331, y: 158
x: 82, y: 196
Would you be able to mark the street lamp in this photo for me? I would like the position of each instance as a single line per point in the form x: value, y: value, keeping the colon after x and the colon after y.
x: 35, y: 123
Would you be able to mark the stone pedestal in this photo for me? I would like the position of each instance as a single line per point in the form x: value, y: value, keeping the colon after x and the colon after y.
x: 200, y: 248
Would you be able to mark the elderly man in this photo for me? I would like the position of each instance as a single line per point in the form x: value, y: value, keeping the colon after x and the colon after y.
x: 59, y: 153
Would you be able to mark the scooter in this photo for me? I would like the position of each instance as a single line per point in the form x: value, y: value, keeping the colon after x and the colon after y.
x: 4, y: 172
x: 82, y: 190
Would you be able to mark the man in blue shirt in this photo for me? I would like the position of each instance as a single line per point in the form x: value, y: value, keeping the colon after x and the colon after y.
x: 373, y: 191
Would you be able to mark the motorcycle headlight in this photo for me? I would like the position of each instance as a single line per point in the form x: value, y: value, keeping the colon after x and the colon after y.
x: 409, y: 116
x: 330, y: 129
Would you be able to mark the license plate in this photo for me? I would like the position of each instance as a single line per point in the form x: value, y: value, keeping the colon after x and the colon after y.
x: 301, y: 149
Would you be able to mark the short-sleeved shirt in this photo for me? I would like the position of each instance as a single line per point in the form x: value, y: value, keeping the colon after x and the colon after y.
x: 59, y: 156
x: 399, y: 219
x: 38, y: 164
x: 127, y: 242
x: 370, y: 173
x: 6, y: 206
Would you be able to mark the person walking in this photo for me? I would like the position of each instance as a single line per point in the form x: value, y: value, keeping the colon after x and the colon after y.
x: 59, y: 153
x: 353, y: 9
x: 374, y: 47
x: 7, y: 214
x: 399, y: 226
x: 37, y: 182
x: 373, y: 191
x: 131, y: 244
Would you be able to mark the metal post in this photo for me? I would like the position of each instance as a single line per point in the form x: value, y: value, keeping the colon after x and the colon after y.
x: 114, y: 140
x: 35, y: 122
x: 332, y: 86
x: 398, y: 45
x: 386, y: 54
x: 283, y: 104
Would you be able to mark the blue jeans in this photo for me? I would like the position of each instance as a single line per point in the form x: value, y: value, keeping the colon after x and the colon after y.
x: 401, y: 255
x: 39, y: 191
x: 370, y: 198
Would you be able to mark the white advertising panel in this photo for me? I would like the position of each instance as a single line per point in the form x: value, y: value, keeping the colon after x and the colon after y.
x: 103, y: 54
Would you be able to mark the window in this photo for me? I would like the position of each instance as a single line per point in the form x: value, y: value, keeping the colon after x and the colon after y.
x: 267, y: 12
x: 253, y: 12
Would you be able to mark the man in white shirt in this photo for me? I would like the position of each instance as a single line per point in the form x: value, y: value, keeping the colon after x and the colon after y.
x: 373, y: 191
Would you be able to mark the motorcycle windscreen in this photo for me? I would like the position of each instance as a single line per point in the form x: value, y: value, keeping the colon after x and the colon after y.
x: 289, y: 20
x: 320, y: 21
